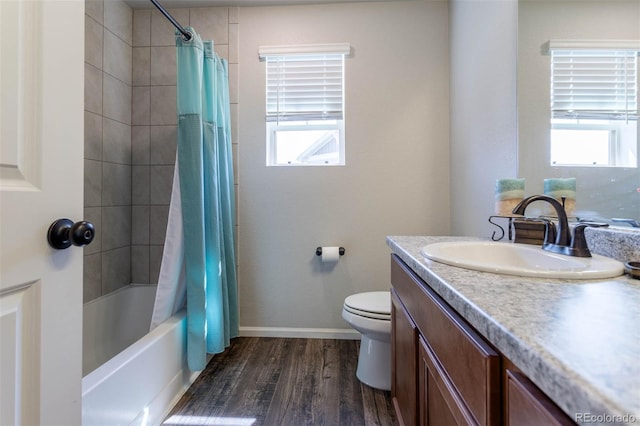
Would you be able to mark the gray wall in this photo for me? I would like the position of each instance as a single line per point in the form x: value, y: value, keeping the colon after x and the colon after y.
x: 396, y: 178
x: 483, y: 108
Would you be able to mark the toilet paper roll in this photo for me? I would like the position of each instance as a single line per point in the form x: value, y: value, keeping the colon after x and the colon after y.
x: 330, y: 254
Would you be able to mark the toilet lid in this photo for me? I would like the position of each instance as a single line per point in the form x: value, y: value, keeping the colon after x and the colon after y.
x: 375, y: 304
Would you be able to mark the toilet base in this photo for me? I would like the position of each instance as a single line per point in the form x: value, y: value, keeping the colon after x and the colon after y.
x: 374, y: 363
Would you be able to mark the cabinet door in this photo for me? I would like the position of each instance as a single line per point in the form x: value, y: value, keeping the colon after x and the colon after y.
x: 526, y: 405
x: 403, y: 360
x: 469, y: 364
x: 439, y: 402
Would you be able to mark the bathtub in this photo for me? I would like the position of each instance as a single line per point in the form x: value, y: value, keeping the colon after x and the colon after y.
x: 131, y: 375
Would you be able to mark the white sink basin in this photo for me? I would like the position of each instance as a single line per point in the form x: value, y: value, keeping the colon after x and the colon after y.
x: 520, y: 259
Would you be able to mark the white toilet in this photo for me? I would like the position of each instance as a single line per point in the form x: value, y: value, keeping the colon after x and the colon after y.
x: 370, y: 314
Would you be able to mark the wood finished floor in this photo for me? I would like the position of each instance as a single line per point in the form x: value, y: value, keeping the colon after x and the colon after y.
x: 284, y: 382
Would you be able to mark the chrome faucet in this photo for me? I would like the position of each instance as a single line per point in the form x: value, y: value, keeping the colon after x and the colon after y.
x: 564, y: 243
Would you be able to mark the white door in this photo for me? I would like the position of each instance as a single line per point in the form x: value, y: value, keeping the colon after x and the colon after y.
x: 41, y: 179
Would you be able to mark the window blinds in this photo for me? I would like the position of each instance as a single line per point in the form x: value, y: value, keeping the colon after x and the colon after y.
x: 304, y: 85
x: 594, y: 83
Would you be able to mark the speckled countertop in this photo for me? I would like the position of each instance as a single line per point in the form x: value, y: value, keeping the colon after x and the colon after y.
x: 578, y: 341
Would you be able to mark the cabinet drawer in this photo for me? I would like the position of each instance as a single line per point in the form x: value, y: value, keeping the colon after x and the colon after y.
x: 440, y: 403
x: 471, y: 364
x: 526, y: 405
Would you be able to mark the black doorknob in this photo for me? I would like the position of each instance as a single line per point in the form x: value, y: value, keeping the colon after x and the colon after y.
x: 63, y: 233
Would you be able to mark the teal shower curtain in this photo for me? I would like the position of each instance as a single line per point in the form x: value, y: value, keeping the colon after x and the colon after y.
x: 206, y: 192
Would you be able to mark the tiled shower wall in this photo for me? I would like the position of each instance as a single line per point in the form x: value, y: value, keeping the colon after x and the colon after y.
x: 107, y: 147
x: 130, y: 133
x: 154, y: 129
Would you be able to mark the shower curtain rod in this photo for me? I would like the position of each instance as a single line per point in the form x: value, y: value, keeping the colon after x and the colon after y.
x: 186, y: 35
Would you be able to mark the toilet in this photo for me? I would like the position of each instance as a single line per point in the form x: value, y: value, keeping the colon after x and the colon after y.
x: 370, y: 314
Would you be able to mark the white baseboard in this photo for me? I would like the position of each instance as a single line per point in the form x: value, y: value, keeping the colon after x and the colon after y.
x: 307, y: 333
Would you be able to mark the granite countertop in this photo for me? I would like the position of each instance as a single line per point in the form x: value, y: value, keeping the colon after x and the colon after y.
x: 577, y: 340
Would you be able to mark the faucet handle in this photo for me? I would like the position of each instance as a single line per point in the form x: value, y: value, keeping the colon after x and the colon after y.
x: 550, y: 231
x: 579, y: 242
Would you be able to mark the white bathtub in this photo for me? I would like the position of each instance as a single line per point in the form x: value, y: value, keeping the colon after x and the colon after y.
x: 131, y: 376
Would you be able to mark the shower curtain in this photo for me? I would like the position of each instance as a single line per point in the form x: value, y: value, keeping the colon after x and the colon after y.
x: 198, y: 262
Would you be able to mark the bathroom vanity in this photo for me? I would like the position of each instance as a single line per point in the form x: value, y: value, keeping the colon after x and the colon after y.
x: 480, y: 348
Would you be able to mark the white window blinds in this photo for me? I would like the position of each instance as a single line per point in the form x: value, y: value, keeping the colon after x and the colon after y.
x: 594, y: 83
x: 304, y: 84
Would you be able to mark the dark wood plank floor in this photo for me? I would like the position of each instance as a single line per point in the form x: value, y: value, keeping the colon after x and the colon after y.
x: 283, y: 382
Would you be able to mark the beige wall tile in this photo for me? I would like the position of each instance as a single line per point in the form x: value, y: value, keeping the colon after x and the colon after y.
x: 92, y: 136
x: 233, y: 83
x: 234, y: 122
x: 92, y: 89
x: 140, y: 145
x: 158, y: 223
x: 141, y: 27
x: 163, y: 66
x: 233, y: 43
x: 117, y: 57
x: 93, y: 38
x: 141, y: 74
x: 140, y: 264
x: 92, y: 277
x: 155, y: 261
x: 141, y: 105
x: 163, y: 105
x: 116, y: 184
x: 160, y: 184
x: 163, y: 143
x: 140, y: 185
x: 116, y: 142
x: 118, y: 18
x: 108, y: 140
x: 140, y: 225
x: 92, y: 183
x: 95, y: 9
x: 234, y: 15
x: 117, y: 99
x: 211, y: 23
x: 116, y: 269
x: 116, y: 226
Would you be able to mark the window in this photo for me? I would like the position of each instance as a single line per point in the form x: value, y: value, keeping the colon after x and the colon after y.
x: 594, y: 104
x: 305, y: 104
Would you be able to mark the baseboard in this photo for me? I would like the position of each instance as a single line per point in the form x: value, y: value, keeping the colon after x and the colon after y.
x: 306, y: 333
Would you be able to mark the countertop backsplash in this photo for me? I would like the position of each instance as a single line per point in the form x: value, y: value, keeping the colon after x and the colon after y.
x: 622, y: 244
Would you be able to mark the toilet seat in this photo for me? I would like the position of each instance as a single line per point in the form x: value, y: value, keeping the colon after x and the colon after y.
x: 373, y: 304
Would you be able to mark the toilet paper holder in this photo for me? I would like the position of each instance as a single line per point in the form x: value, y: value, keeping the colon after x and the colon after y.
x: 319, y: 251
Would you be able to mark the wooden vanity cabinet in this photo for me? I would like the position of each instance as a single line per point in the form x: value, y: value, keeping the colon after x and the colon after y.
x: 439, y: 402
x: 404, y: 363
x: 458, y: 373
x: 445, y: 373
x: 526, y: 405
